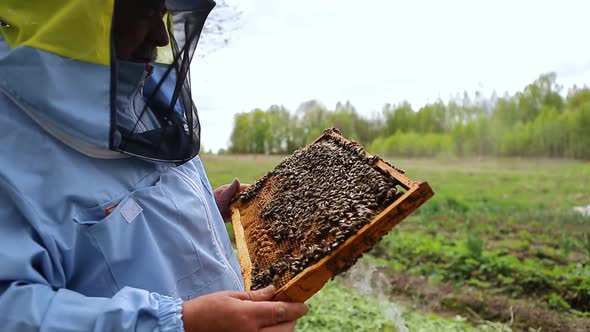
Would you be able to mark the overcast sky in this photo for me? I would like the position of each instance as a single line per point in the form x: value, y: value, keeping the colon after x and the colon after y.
x: 374, y: 52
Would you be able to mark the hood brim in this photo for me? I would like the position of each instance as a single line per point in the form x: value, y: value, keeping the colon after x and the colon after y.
x: 189, y: 5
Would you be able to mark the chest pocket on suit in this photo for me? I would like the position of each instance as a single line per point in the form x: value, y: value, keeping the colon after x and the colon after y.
x: 143, y: 239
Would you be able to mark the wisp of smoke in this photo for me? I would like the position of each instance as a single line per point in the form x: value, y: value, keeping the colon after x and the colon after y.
x: 367, y: 280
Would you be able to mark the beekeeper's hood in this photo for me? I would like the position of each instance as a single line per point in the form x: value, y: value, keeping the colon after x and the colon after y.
x: 58, y: 63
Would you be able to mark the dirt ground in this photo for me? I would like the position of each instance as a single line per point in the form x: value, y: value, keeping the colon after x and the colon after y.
x: 446, y: 300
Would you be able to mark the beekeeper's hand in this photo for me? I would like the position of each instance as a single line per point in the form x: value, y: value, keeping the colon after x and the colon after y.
x: 224, y: 194
x: 241, y: 311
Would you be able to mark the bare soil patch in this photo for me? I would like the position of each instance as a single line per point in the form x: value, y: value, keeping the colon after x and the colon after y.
x: 444, y: 299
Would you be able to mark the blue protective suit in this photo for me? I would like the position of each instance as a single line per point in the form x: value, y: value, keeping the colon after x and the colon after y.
x: 90, y: 239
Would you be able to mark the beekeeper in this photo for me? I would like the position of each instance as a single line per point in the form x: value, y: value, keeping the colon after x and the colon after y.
x: 107, y: 219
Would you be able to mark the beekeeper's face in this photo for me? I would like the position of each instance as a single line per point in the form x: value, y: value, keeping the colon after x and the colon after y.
x: 139, y: 29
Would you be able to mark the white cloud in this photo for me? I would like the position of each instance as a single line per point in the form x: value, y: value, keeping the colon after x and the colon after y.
x: 380, y: 51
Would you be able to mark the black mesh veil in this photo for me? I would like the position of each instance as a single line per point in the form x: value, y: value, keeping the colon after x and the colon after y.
x: 153, y: 115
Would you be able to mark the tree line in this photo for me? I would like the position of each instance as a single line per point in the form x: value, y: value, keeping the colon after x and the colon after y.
x: 535, y: 122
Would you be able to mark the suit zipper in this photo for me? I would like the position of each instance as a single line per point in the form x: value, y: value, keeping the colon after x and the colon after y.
x: 216, y: 241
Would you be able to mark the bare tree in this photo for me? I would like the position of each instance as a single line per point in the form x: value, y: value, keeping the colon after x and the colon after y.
x: 223, y: 20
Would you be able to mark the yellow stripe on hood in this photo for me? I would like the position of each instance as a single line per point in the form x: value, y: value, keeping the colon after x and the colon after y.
x: 77, y: 29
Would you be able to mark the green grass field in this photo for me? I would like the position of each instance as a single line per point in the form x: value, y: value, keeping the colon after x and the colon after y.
x: 497, y: 248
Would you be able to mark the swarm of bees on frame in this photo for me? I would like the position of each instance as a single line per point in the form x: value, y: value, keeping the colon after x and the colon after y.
x: 322, y: 194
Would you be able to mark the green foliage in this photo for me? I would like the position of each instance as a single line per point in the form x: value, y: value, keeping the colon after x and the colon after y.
x: 336, y: 308
x: 398, y: 119
x: 277, y: 131
x: 412, y: 144
x: 474, y: 246
x: 534, y: 245
x: 468, y: 263
x: 567, y: 244
x: 556, y: 302
x: 536, y: 122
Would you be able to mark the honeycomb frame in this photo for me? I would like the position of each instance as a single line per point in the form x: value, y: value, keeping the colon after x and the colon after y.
x: 311, y: 279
